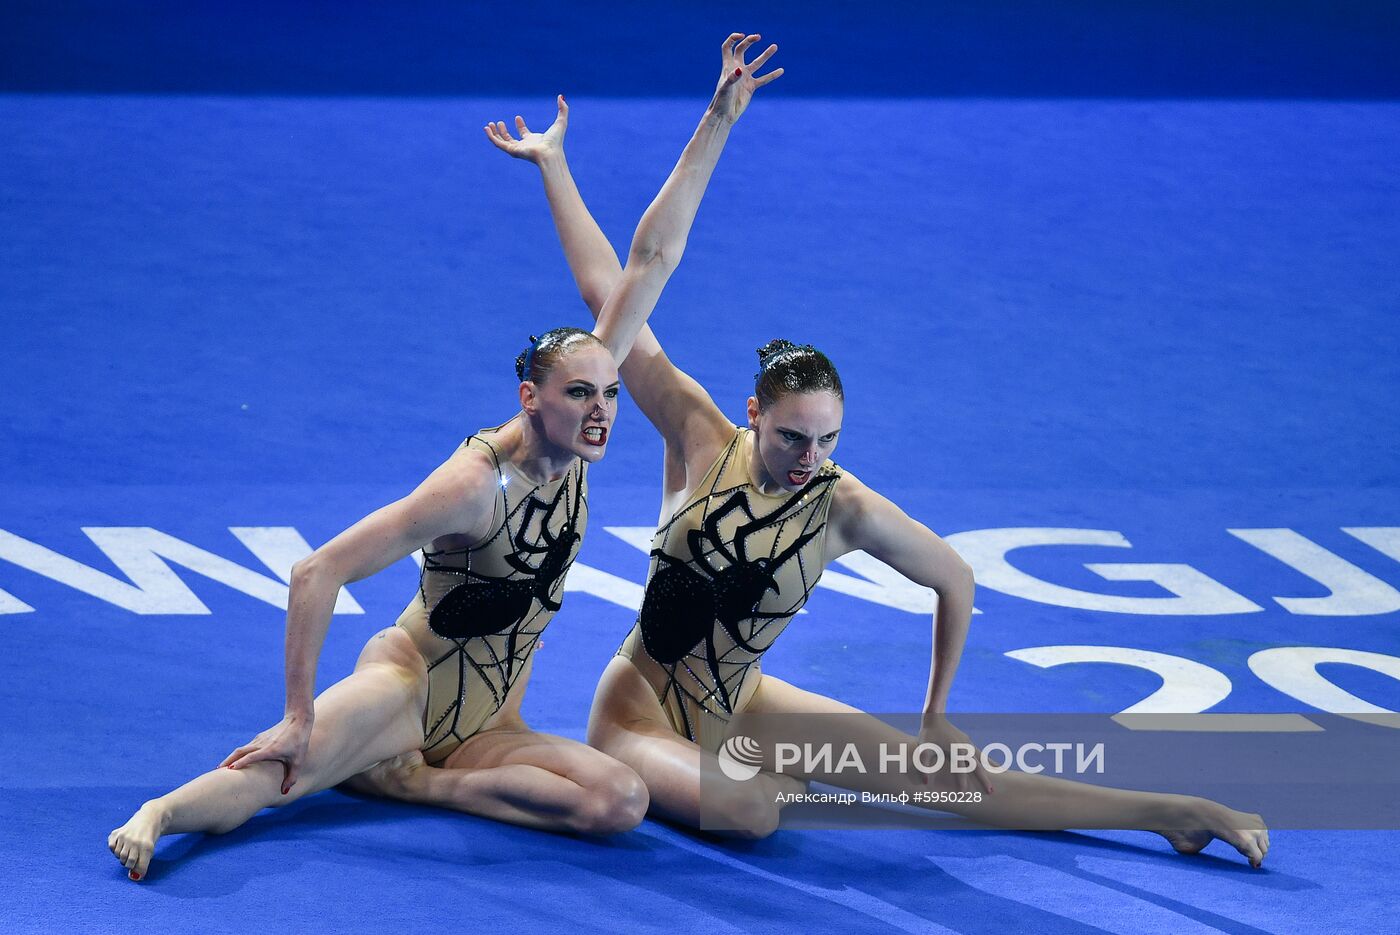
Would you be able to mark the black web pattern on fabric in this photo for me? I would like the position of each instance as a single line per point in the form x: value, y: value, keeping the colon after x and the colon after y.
x: 493, y: 622
x: 719, y: 588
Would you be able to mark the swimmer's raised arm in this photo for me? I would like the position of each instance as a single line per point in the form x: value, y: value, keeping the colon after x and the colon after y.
x: 662, y: 233
x: 592, y: 260
x: 679, y: 408
x: 458, y: 497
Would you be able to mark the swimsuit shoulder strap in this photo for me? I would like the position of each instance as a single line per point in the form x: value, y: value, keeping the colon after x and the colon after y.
x: 500, y: 508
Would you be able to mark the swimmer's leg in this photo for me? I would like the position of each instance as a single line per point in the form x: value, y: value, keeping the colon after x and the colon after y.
x: 510, y: 773
x: 627, y: 723
x: 373, y: 714
x: 1031, y: 801
x: 513, y: 774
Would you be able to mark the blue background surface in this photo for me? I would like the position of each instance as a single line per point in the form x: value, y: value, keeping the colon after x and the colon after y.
x: 1127, y: 269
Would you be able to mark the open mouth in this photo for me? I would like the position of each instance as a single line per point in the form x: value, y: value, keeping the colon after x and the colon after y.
x: 798, y: 478
x: 595, y: 435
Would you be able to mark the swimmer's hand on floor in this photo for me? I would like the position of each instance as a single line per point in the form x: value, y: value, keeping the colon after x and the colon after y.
x: 532, y: 147
x: 942, y: 733
x: 736, y: 79
x: 285, y: 742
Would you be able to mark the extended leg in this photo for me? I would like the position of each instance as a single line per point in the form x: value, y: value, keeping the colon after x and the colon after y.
x: 368, y: 716
x: 1032, y: 801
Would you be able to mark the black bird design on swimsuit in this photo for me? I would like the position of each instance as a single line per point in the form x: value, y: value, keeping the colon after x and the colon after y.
x: 687, y: 598
x: 486, y: 605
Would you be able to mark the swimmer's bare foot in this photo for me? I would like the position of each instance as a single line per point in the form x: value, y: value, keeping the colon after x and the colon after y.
x: 391, y: 778
x: 1205, y: 821
x: 134, y: 842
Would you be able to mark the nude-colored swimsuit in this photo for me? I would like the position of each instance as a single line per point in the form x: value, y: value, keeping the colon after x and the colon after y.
x: 728, y: 571
x: 479, y: 611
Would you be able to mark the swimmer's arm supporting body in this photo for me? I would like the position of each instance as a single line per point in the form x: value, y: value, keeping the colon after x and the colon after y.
x: 458, y: 497
x: 865, y: 520
x: 679, y: 407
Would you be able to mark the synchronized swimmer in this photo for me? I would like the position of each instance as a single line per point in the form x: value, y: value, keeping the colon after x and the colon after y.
x: 500, y: 521
x: 750, y: 517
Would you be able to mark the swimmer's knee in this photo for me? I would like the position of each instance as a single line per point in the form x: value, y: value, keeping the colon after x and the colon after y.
x: 631, y: 798
x: 615, y: 803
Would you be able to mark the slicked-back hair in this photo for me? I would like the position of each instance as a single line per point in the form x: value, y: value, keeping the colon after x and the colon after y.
x: 536, y: 361
x: 784, y: 367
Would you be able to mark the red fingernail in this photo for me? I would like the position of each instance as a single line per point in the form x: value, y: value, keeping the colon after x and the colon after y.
x: 134, y: 875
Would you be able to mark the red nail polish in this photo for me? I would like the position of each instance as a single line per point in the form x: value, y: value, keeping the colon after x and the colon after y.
x: 134, y: 875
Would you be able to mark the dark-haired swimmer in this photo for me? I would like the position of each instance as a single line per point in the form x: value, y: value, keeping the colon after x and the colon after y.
x: 749, y: 518
x: 432, y: 710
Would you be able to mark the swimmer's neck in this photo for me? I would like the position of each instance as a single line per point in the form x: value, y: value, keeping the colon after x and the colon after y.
x: 534, y: 458
x: 759, y: 477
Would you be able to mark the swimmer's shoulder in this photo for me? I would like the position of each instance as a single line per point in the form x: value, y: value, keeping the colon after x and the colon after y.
x: 853, y: 505
x: 473, y: 470
x: 467, y: 487
x: 848, y: 492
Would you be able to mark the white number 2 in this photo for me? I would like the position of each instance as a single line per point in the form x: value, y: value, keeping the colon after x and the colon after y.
x: 1190, y: 687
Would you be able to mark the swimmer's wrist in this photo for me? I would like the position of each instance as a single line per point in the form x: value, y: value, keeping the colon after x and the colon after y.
x: 299, y: 714
x: 935, y: 710
x: 715, y: 118
x: 551, y: 159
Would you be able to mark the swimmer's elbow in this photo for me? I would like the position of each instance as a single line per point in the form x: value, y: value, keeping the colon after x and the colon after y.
x: 303, y: 571
x: 958, y: 578
x: 965, y: 573
x: 655, y: 255
x: 310, y: 571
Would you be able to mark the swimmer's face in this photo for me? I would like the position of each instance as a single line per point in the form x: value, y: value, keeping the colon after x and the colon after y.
x: 795, y: 435
x: 576, y: 403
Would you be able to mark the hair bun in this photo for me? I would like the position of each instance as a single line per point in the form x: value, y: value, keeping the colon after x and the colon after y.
x: 785, y: 367
x: 772, y: 349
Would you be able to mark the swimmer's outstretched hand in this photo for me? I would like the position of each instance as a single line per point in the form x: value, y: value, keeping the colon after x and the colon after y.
x: 285, y: 742
x: 532, y: 147
x: 737, y: 80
